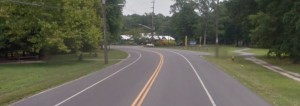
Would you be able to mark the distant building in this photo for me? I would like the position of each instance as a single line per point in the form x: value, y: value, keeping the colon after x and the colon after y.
x: 126, y: 37
x: 157, y: 37
x: 144, y: 38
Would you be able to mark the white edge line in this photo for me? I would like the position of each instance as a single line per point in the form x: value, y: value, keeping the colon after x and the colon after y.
x: 55, y: 87
x: 140, y: 55
x: 199, y: 78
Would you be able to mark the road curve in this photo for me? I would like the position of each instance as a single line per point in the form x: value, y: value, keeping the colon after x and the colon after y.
x: 151, y: 77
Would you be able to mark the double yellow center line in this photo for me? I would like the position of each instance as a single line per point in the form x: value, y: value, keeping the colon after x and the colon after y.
x: 141, y: 97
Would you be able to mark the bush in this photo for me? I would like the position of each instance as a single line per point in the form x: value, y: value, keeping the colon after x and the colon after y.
x: 165, y: 43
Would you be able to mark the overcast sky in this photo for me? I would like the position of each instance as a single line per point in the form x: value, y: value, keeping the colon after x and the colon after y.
x: 144, y: 6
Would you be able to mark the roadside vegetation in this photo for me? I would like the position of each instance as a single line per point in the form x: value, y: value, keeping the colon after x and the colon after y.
x: 56, y: 41
x: 283, y: 62
x: 38, y: 29
x: 278, y: 90
x: 275, y: 88
x: 269, y: 24
x: 286, y: 64
x: 258, y: 52
x: 273, y: 25
x: 21, y: 80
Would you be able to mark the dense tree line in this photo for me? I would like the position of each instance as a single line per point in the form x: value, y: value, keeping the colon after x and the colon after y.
x: 161, y: 23
x: 271, y: 24
x: 184, y: 20
x: 114, y: 19
x: 133, y: 25
x: 39, y: 27
x: 277, y: 27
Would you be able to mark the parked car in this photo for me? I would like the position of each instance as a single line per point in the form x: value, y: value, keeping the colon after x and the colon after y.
x: 149, y: 45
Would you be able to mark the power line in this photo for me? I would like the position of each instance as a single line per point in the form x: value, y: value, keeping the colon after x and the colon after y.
x: 133, y: 11
x: 32, y: 4
x: 153, y: 8
x: 140, y: 4
x: 152, y: 32
x: 137, y: 8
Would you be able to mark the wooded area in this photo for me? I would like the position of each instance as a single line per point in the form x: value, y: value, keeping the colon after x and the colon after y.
x: 39, y: 27
x: 271, y: 24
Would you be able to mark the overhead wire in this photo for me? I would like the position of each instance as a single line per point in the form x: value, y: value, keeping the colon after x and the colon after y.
x: 31, y: 4
x: 133, y: 11
x: 139, y: 7
x: 55, y: 7
x: 140, y: 4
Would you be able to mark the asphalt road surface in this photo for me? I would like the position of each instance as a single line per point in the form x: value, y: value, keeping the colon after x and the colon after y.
x: 151, y: 77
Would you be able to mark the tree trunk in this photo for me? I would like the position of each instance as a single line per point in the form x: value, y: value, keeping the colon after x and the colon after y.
x: 96, y: 54
x: 23, y: 53
x: 278, y: 55
x: 205, y: 32
x: 12, y: 54
x: 101, y: 46
x: 296, y: 59
x: 41, y: 53
x: 6, y: 54
x: 80, y: 57
x: 47, y: 56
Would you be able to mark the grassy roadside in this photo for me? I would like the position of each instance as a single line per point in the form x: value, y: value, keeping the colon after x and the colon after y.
x: 210, y: 49
x: 274, y: 88
x: 20, y: 80
x: 283, y: 63
x: 258, y: 52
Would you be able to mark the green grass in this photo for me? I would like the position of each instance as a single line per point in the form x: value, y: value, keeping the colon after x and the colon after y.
x: 284, y: 63
x: 224, y: 50
x: 20, y: 80
x: 258, y: 52
x: 274, y: 88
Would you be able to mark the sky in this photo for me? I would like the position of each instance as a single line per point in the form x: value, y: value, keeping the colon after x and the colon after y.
x: 144, y: 6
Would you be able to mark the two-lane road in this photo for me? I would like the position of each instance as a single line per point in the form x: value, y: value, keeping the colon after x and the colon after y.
x: 151, y: 77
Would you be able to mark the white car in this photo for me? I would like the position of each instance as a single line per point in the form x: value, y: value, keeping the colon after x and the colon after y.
x: 149, y: 45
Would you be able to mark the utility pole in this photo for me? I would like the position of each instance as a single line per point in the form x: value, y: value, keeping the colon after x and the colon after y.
x: 152, y: 23
x: 104, y: 31
x: 205, y: 31
x: 217, y: 29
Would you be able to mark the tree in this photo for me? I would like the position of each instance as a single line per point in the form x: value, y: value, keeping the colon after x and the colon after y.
x: 136, y: 35
x: 277, y: 27
x: 114, y: 18
x: 50, y: 26
x: 164, y: 25
x: 238, y: 26
x: 184, y: 20
x: 205, y: 10
x: 20, y: 28
x: 133, y: 21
